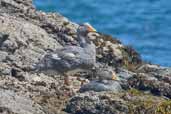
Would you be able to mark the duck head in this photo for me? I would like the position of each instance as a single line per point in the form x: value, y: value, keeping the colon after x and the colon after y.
x: 85, y: 28
x: 82, y: 34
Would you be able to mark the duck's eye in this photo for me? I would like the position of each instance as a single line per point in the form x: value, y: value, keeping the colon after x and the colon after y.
x: 111, y: 72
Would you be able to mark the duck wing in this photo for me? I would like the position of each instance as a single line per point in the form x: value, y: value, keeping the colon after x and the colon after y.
x: 69, y: 52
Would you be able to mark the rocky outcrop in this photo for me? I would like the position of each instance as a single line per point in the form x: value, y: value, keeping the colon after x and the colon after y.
x: 12, y: 103
x: 26, y: 35
x: 131, y: 102
x: 154, y: 79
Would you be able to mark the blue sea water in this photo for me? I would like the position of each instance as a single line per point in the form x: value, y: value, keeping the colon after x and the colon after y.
x: 144, y: 24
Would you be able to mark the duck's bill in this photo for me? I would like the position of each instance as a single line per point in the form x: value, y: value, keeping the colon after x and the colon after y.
x: 114, y: 77
x: 91, y: 29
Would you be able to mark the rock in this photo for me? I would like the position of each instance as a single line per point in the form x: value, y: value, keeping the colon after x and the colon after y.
x: 131, y: 59
x: 5, y: 69
x: 150, y: 82
x: 111, y: 52
x: 154, y: 78
x: 134, y: 101
x: 3, y: 56
x: 17, y: 73
x: 26, y: 41
x: 148, y: 68
x: 97, y: 86
x: 3, y: 37
x: 8, y: 45
x: 12, y: 103
x: 117, y: 53
x: 124, y: 74
x: 93, y: 103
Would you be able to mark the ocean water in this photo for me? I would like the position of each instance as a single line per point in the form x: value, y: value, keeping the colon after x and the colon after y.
x: 144, y: 24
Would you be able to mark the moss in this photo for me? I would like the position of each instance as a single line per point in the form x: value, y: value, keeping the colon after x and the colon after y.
x: 135, y: 92
x: 131, y: 59
x: 138, y: 106
x: 109, y: 38
x: 164, y: 107
x: 138, y: 102
x: 55, y: 103
x: 65, y: 23
x: 147, y: 103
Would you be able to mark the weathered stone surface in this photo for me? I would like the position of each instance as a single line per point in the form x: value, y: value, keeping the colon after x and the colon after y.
x: 26, y: 42
x: 153, y: 78
x: 3, y: 56
x: 132, y: 102
x: 94, y: 103
x: 5, y: 69
x: 13, y: 103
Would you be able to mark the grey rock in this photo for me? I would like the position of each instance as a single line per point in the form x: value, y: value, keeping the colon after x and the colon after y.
x: 9, y: 45
x: 3, y: 55
x: 3, y: 37
x: 114, y: 103
x: 17, y: 104
x: 17, y: 73
x: 124, y: 74
x: 26, y: 41
x: 93, y: 103
x: 149, y: 68
x: 150, y: 82
x: 5, y: 69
